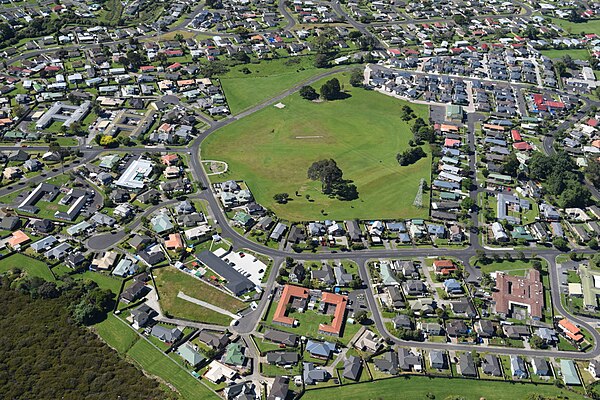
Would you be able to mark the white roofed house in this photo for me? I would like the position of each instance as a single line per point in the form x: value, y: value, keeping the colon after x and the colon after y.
x: 135, y: 176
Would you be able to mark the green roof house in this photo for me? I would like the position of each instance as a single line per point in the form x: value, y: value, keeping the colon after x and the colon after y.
x: 161, y: 223
x: 569, y: 373
x: 519, y: 232
x: 387, y: 277
x: 243, y: 219
x: 190, y: 355
x: 109, y: 161
x: 234, y: 355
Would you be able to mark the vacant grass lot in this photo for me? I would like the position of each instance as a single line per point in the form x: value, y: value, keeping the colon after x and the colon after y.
x: 171, y: 281
x: 272, y: 149
x: 514, y: 267
x: 32, y: 266
x: 416, y: 387
x: 116, y: 334
x: 265, y: 80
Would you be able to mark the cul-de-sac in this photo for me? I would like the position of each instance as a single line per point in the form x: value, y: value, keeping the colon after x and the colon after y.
x: 299, y: 199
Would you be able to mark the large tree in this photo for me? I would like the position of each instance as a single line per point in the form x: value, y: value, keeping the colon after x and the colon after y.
x: 327, y: 172
x: 331, y: 89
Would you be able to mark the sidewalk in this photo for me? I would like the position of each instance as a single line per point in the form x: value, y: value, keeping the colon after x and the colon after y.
x: 183, y: 296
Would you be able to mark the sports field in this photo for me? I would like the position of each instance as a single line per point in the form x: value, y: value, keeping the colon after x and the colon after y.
x: 417, y: 387
x: 272, y: 149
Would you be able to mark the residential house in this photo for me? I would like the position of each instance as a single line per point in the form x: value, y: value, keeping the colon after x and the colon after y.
x: 165, y: 334
x: 407, y: 360
x: 388, y: 363
x: 283, y: 357
x: 466, y: 365
x: 352, y: 368
x: 491, y: 366
x: 312, y: 375
x: 437, y: 360
x: 517, y: 367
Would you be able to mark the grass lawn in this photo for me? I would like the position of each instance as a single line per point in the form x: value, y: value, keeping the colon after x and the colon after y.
x: 576, y: 54
x: 362, y: 134
x: 116, y: 333
x: 592, y: 26
x: 32, y: 266
x: 416, y: 387
x: 170, y: 281
x: 104, y: 281
x: 274, y: 370
x: 159, y: 364
x: 265, y: 80
x: 514, y: 267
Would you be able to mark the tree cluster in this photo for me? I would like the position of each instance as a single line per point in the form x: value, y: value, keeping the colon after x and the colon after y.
x: 45, y: 354
x: 410, y: 156
x: 331, y: 89
x: 422, y: 131
x: 561, y: 179
x: 332, y: 180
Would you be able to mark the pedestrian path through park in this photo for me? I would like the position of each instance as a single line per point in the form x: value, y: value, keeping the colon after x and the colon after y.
x: 185, y: 297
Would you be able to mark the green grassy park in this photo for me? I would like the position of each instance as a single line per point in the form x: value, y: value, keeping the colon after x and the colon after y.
x: 590, y: 26
x: 116, y: 334
x: 171, y: 281
x: 514, y: 267
x: 272, y: 149
x: 265, y: 80
x: 576, y: 54
x: 417, y: 387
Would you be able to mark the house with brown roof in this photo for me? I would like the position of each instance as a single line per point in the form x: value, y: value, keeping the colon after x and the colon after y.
x: 519, y: 291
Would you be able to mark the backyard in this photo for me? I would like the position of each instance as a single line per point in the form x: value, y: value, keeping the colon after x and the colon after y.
x: 171, y: 281
x: 272, y: 150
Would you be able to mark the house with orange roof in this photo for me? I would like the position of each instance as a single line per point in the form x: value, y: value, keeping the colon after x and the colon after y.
x: 170, y: 159
x: 335, y: 304
x: 174, y: 242
x: 185, y: 82
x: 165, y: 128
x: 288, y: 295
x: 17, y: 239
x: 448, y: 128
x: 451, y: 142
x: 444, y: 267
x: 570, y: 330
